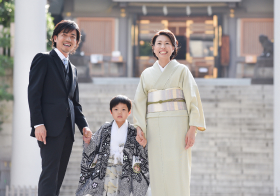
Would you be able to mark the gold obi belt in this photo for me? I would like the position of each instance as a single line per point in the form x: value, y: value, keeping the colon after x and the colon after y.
x: 166, y: 100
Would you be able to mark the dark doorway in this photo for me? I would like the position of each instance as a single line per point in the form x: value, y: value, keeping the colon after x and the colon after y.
x: 182, y: 47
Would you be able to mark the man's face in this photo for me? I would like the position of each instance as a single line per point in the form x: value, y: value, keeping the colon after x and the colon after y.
x: 66, y: 42
x: 120, y: 112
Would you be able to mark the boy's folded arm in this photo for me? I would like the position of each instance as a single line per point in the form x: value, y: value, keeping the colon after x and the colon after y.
x: 146, y: 150
x: 144, y: 168
x: 143, y: 150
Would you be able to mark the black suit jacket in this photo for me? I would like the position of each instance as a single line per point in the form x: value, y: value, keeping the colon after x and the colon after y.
x: 49, y: 100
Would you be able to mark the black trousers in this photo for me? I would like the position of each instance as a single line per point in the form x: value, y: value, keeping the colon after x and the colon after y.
x: 55, y: 157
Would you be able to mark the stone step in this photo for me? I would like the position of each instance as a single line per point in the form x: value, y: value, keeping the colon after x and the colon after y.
x: 233, y: 156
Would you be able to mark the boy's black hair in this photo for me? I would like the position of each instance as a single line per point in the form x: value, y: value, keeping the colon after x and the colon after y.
x: 120, y: 99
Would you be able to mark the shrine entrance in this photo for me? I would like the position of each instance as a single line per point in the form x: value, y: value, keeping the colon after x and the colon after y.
x: 199, y: 40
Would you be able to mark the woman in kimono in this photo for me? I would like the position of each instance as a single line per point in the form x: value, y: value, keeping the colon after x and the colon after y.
x: 167, y: 110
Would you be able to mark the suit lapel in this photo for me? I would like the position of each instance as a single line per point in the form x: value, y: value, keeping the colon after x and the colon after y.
x: 73, y: 79
x: 58, y: 64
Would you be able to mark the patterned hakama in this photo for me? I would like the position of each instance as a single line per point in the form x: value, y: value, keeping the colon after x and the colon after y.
x: 112, y: 178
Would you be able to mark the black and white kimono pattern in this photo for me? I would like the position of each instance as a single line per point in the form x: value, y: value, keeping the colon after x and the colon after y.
x: 93, y: 175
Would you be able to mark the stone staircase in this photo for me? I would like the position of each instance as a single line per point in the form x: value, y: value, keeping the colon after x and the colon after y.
x: 95, y: 100
x: 233, y: 157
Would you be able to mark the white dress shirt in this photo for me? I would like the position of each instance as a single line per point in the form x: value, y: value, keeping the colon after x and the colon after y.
x: 118, y: 139
x: 61, y: 56
x: 162, y: 68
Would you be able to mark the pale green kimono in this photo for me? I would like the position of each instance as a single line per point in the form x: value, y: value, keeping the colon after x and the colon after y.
x: 169, y: 162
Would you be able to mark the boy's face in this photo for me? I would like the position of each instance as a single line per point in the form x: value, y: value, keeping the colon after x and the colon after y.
x: 120, y: 112
x: 66, y: 42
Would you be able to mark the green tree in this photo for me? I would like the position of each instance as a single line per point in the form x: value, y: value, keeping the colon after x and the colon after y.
x: 6, y: 67
x: 50, y: 28
x: 7, y: 10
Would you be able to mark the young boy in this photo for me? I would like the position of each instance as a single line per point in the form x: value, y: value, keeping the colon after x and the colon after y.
x: 113, y: 163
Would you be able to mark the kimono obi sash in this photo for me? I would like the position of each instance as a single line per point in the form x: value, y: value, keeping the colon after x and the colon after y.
x: 171, y: 99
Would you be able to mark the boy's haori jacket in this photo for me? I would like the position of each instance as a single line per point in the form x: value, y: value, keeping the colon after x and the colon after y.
x: 93, y: 172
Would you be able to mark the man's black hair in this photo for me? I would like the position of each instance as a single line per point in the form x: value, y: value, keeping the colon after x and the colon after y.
x: 120, y: 99
x: 66, y: 26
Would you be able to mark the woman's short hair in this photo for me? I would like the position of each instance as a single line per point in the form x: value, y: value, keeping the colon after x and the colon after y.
x: 120, y: 99
x: 172, y: 38
x: 66, y: 26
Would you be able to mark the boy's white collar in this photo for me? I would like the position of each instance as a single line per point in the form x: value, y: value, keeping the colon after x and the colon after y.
x: 124, y: 126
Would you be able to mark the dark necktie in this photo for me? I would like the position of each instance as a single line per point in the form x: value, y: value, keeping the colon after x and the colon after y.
x: 65, y: 62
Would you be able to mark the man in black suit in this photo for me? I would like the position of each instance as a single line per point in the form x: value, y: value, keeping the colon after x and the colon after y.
x: 53, y: 97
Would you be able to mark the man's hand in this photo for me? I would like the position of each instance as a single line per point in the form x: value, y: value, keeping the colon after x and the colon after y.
x: 41, y: 133
x: 190, y: 137
x: 87, y: 135
x: 140, y: 138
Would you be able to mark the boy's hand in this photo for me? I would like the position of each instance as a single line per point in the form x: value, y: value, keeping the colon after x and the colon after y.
x: 140, y: 138
x: 143, y: 142
x: 87, y: 135
x: 86, y: 140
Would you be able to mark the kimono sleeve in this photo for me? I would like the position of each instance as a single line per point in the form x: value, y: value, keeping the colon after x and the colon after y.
x: 140, y: 106
x: 143, y: 153
x: 94, y: 142
x: 89, y: 153
x: 141, y: 183
x: 193, y: 101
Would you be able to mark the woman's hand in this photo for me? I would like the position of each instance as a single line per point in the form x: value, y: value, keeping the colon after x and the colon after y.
x: 190, y: 137
x: 140, y: 138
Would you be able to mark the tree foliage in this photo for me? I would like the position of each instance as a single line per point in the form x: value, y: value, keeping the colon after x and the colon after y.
x: 7, y: 10
x: 6, y: 63
x: 50, y: 28
x: 6, y: 66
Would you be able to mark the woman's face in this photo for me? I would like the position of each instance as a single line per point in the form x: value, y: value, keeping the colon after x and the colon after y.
x: 163, y: 47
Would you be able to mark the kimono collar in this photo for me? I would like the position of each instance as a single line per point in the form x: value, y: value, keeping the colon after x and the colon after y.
x: 163, y: 77
x: 162, y: 68
x: 171, y: 64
